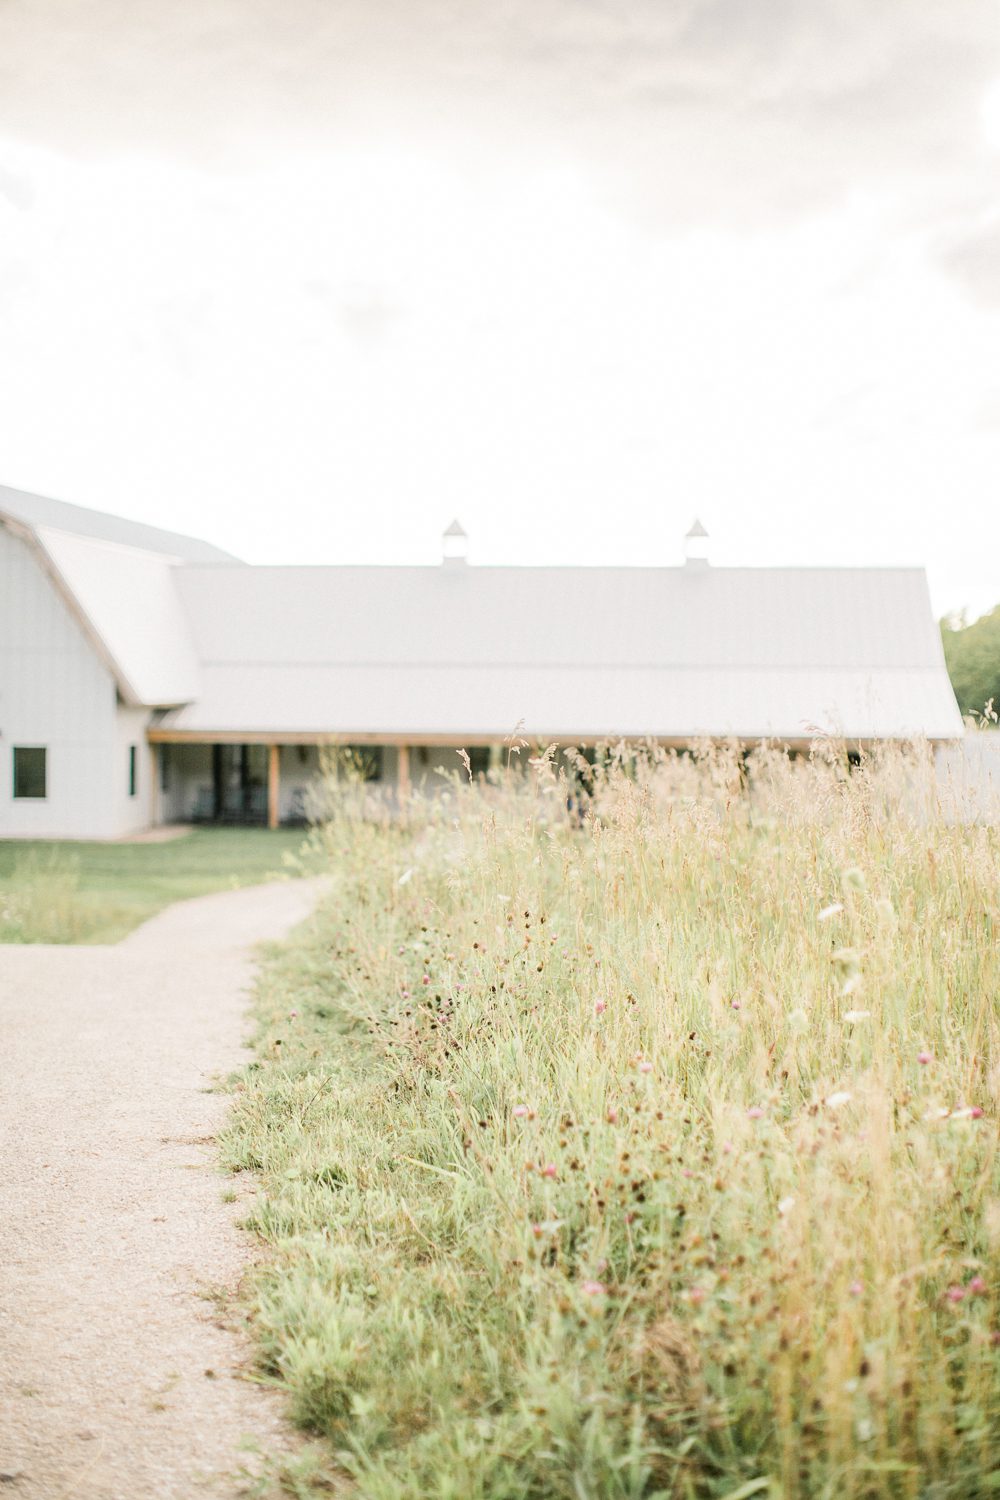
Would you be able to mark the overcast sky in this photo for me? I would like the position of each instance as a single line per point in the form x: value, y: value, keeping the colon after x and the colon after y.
x: 310, y: 277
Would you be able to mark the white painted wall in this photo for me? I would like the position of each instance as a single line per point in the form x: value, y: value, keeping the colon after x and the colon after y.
x: 132, y: 813
x: 968, y: 778
x: 54, y: 691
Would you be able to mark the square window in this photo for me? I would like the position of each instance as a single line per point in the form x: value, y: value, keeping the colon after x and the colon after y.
x: 29, y: 771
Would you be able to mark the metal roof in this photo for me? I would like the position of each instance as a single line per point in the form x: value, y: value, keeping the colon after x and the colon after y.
x: 130, y: 601
x: 671, y: 652
x: 579, y: 702
x: 574, y: 653
x: 117, y: 577
x: 39, y: 510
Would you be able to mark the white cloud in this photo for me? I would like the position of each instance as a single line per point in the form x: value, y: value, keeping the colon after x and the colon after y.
x: 316, y: 278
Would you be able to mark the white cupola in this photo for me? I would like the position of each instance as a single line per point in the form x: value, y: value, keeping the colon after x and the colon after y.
x: 696, y: 547
x: 454, y: 544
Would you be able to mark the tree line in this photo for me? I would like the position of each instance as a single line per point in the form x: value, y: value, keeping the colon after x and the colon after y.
x: 972, y: 656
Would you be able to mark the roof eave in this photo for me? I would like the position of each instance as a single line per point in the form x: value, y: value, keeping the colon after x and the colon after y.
x: 160, y: 735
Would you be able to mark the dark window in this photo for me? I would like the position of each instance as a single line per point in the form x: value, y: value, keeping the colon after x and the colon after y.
x: 479, y: 760
x: 164, y: 769
x: 29, y: 771
x: 366, y: 761
x: 133, y: 770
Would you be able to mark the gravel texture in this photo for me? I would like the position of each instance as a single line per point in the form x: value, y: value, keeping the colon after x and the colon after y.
x: 123, y: 1374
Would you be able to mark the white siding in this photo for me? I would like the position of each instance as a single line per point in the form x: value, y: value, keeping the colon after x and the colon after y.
x: 132, y: 813
x: 968, y: 778
x: 53, y: 692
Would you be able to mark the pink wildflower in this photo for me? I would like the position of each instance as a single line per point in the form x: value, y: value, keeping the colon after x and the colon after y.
x: 976, y: 1287
x: 645, y: 1067
x: 600, y: 1007
x: 976, y: 1113
x: 549, y: 1171
x: 755, y: 1112
x: 426, y: 979
x: 612, y: 1117
x: 736, y: 1004
x: 856, y: 1288
x: 696, y: 1294
x: 519, y: 1111
x: 593, y: 1288
x: 923, y: 1058
x: 292, y: 1014
x: 955, y: 1293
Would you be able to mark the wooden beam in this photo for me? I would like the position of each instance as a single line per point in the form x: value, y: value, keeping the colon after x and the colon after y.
x: 468, y: 741
x: 273, y: 785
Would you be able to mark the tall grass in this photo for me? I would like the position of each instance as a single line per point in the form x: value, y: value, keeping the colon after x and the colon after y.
x: 641, y: 1141
x: 42, y: 901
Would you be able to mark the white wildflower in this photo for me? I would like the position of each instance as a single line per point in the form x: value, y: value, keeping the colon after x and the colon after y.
x: 830, y: 911
x: 838, y: 1099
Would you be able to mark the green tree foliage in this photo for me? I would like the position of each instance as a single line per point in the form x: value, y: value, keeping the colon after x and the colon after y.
x: 972, y: 654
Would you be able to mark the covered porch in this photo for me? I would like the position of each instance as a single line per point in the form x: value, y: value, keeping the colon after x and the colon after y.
x: 235, y: 783
x: 269, y: 782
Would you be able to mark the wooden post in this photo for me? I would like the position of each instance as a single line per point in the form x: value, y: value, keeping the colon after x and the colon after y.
x: 403, y: 773
x: 154, y: 761
x: 273, y: 784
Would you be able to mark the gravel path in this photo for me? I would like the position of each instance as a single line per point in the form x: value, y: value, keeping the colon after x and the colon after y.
x: 120, y: 1379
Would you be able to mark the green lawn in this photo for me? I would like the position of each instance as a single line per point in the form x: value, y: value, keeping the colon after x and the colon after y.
x: 65, y: 892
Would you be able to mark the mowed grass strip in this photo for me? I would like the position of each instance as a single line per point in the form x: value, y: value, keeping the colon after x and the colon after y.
x: 652, y: 1157
x: 69, y: 892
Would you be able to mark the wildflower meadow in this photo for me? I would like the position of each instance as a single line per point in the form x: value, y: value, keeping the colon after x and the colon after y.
x: 629, y: 1129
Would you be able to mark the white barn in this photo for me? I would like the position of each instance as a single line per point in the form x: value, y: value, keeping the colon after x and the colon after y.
x: 147, y: 677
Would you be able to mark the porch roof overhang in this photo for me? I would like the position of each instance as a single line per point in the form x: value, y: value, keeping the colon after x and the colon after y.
x: 437, y: 703
x: 480, y: 740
